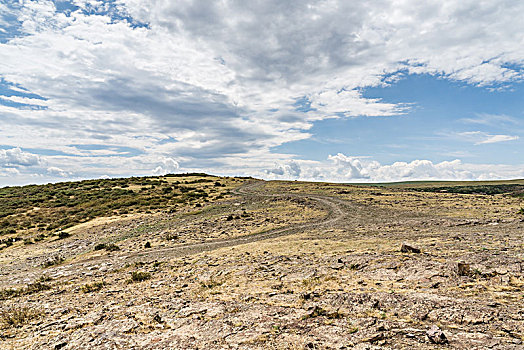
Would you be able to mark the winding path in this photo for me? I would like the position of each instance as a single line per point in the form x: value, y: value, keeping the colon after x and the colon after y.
x: 335, y: 213
x: 251, y: 190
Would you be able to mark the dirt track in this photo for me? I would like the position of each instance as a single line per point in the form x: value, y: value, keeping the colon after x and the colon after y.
x: 336, y: 210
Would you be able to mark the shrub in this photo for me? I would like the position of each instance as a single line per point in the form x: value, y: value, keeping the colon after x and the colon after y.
x: 63, y: 234
x: 36, y: 287
x: 44, y: 278
x: 18, y: 316
x: 31, y: 288
x: 93, y: 287
x: 139, y: 276
x: 147, y: 245
x: 211, y: 283
x: 107, y: 246
x: 9, y: 293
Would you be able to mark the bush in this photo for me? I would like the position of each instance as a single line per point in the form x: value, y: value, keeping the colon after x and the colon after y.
x: 63, y: 234
x: 18, y: 316
x: 139, y: 276
x: 110, y: 247
x: 36, y: 287
x: 147, y: 245
x: 29, y: 289
x: 93, y: 287
x: 9, y: 293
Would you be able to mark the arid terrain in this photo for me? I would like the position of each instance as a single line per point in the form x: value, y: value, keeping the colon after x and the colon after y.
x: 202, y: 262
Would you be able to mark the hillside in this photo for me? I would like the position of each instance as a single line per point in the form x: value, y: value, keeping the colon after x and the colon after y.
x: 197, y: 261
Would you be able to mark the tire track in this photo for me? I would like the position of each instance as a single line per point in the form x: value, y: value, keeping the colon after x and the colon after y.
x: 335, y: 213
x: 333, y: 206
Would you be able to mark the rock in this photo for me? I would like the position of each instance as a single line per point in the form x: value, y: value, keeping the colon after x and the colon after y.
x: 374, y: 338
x: 409, y: 249
x: 60, y: 346
x: 436, y: 335
x: 463, y: 269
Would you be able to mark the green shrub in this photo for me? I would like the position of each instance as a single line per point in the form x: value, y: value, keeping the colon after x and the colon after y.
x: 36, y: 287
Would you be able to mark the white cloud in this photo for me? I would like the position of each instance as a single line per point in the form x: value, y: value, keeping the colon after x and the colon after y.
x: 55, y: 171
x: 290, y: 169
x: 480, y: 137
x: 216, y: 83
x: 24, y: 100
x: 491, y: 119
x: 499, y: 138
x: 167, y: 166
x: 15, y: 157
x: 342, y: 168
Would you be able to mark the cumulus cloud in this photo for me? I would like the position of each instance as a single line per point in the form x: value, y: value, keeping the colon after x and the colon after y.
x: 15, y: 157
x: 291, y: 170
x: 167, y: 166
x: 55, y: 171
x: 342, y: 168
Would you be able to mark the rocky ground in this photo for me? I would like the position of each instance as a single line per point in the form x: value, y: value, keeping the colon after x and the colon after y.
x: 278, y: 265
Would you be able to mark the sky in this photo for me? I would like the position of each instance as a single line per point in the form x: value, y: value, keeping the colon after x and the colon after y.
x: 345, y: 91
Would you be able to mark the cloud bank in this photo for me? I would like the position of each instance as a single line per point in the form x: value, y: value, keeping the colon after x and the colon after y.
x: 342, y: 168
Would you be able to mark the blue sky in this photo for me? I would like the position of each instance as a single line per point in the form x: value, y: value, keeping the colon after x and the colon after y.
x: 440, y: 110
x: 331, y: 90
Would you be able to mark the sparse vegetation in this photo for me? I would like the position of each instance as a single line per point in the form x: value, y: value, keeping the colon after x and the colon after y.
x: 55, y: 207
x: 139, y: 276
x: 318, y: 311
x: 331, y: 274
x: 18, y: 316
x: 63, y: 234
x: 475, y: 189
x: 92, y: 287
x: 31, y: 288
x: 210, y: 283
x: 110, y: 247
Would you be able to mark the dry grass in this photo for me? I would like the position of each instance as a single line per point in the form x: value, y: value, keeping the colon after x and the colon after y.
x: 18, y: 316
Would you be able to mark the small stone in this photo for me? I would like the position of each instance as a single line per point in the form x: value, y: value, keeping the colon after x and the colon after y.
x: 374, y: 338
x: 158, y: 319
x: 436, y: 335
x: 409, y: 249
x: 60, y: 345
